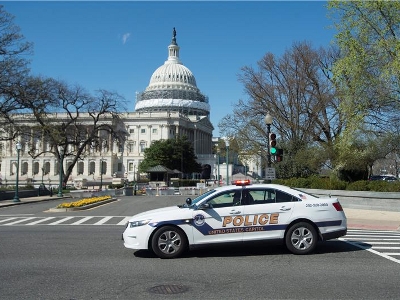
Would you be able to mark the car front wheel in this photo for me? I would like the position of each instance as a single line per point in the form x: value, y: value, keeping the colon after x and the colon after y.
x: 169, y: 242
x: 301, y: 238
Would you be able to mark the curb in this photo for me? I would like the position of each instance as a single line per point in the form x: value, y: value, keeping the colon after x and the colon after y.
x: 30, y: 201
x: 374, y: 227
x: 82, y: 207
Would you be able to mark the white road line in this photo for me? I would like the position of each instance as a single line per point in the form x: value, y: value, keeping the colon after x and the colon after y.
x: 370, y: 236
x: 61, y: 221
x: 389, y: 253
x: 5, y: 220
x: 373, y: 240
x: 81, y: 221
x: 371, y: 250
x: 40, y: 221
x: 102, y: 221
x: 397, y: 248
x: 21, y: 220
x: 123, y: 222
x: 16, y: 215
x: 378, y: 242
x: 371, y: 231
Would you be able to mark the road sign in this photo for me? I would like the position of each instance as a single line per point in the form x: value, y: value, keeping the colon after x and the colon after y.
x: 270, y: 173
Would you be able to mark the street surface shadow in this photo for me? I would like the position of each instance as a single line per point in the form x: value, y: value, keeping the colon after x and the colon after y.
x: 258, y: 249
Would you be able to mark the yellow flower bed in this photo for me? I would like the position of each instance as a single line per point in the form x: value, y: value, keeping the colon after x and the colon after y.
x: 83, y: 202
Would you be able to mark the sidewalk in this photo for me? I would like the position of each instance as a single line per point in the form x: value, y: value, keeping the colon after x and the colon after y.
x: 372, y: 219
x: 356, y: 218
x: 5, y: 203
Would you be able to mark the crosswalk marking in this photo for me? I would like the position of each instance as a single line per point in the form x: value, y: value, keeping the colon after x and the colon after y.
x: 395, y: 248
x: 102, y: 221
x: 81, y: 221
x: 65, y: 220
x: 61, y: 221
x: 21, y: 220
x: 382, y: 243
x: 40, y: 221
x: 123, y: 222
x: 5, y: 220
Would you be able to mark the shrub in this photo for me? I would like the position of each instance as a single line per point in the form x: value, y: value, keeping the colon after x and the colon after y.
x: 383, y: 186
x: 314, y: 182
x: 361, y: 185
x: 83, y: 202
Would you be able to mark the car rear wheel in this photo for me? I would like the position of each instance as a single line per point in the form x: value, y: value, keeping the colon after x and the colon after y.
x: 301, y: 238
x: 169, y: 242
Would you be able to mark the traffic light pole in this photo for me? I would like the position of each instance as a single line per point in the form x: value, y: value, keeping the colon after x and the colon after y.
x: 269, y: 162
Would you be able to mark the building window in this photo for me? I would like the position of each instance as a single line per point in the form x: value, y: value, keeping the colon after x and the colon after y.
x: 81, y: 168
x: 142, y: 146
x: 143, y: 130
x: 131, y: 130
x: 103, y: 167
x: 35, y: 168
x: 130, y: 167
x: 131, y: 146
x: 154, y: 131
x: 92, y: 167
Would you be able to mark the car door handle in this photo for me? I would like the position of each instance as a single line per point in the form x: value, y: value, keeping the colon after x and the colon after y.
x: 283, y: 208
x: 235, y: 212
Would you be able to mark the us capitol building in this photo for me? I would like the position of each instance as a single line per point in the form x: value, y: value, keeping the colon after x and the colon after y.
x: 171, y: 105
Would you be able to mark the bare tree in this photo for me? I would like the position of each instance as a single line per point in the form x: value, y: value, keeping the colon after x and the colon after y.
x: 296, y: 90
x: 67, y: 117
x: 13, y: 67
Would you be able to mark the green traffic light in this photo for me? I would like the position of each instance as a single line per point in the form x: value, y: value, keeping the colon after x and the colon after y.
x: 272, y: 150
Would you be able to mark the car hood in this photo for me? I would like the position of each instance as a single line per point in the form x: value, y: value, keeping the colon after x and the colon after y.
x: 154, y: 213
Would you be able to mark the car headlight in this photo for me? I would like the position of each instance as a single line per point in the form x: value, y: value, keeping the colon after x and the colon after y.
x: 138, y: 223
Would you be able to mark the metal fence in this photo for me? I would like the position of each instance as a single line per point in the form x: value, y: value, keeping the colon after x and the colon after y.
x: 181, y: 191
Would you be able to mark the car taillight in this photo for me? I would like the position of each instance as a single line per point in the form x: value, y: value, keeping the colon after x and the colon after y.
x: 337, y: 206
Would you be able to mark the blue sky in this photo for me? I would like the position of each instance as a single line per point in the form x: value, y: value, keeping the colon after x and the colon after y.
x: 118, y: 45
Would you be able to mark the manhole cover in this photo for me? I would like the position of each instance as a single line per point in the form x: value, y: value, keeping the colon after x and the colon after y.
x: 168, y: 289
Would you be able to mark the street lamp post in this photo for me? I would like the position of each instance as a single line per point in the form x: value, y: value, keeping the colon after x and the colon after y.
x: 268, y: 121
x: 101, y: 174
x: 218, y: 174
x: 42, y: 174
x: 50, y: 188
x: 16, y: 197
x: 227, y: 161
x: 60, y: 187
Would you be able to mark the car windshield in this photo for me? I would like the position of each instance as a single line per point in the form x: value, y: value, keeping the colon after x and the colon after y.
x: 201, y: 197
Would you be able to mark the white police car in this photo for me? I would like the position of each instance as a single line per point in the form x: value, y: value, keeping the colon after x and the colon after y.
x: 238, y: 213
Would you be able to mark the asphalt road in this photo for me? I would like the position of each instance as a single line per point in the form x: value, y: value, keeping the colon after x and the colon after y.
x: 90, y: 262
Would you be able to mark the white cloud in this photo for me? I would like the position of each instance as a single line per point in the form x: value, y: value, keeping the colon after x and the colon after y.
x: 125, y: 37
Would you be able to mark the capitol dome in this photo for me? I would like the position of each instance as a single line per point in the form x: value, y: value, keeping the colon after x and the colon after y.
x: 173, y: 87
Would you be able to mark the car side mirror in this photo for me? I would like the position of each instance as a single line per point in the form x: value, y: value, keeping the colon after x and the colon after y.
x: 205, y: 206
x: 189, y: 201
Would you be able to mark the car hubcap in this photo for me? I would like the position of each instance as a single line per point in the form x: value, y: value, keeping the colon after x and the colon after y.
x: 302, y: 238
x: 169, y: 242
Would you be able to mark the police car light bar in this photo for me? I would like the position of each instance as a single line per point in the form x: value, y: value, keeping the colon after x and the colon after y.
x: 242, y: 182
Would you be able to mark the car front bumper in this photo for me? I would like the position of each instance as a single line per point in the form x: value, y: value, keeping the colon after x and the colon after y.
x: 137, y: 238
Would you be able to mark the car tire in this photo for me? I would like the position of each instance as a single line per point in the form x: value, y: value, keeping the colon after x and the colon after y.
x: 169, y: 242
x: 301, y: 238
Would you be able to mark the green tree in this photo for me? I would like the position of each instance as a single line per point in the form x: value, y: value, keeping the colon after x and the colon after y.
x: 367, y: 74
x: 172, y: 153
